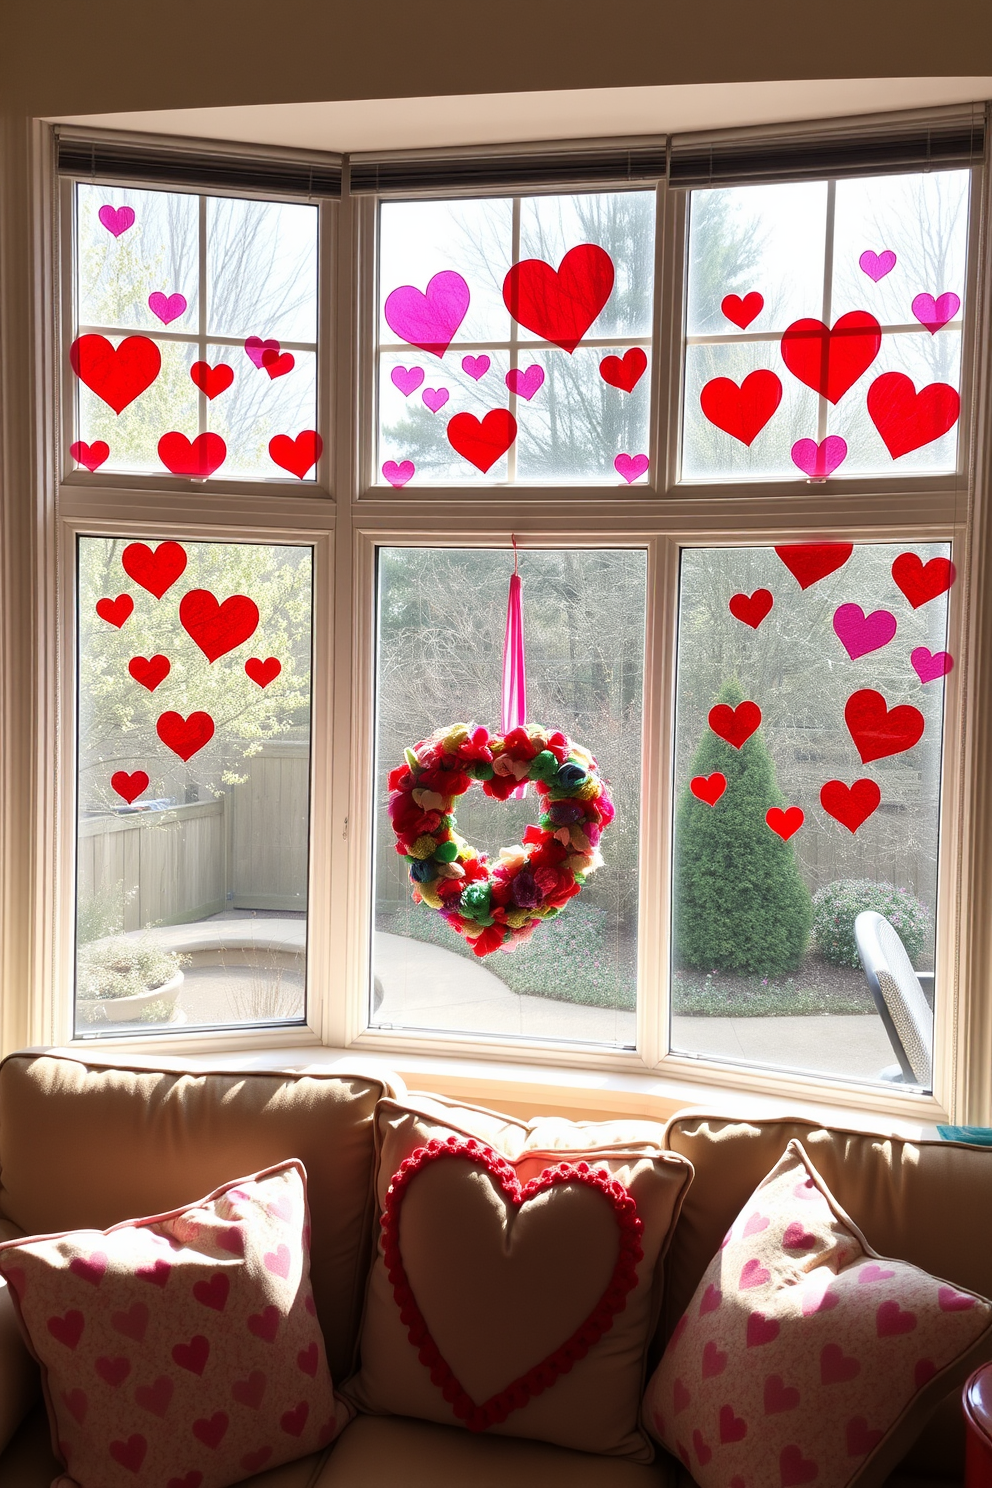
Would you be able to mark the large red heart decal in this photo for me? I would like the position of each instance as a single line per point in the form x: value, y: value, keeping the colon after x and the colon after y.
x: 482, y: 444
x: 504, y: 1185
x: 296, y: 455
x: 198, y: 457
x: 154, y: 569
x: 851, y: 805
x: 831, y: 361
x: 742, y: 412
x: 217, y: 628
x: 877, y: 730
x: 560, y: 306
x: 117, y: 374
x: 734, y: 725
x: 808, y: 563
x: 185, y: 736
x: 919, y: 581
x: 907, y: 419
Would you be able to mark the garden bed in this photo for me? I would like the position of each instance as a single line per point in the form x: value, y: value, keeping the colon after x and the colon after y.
x: 815, y: 988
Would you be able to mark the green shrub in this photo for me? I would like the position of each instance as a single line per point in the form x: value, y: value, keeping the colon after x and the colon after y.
x: 123, y: 968
x: 837, y: 905
x: 740, y: 903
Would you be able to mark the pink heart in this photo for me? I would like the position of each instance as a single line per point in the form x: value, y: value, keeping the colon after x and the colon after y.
x: 877, y: 265
x: 868, y: 1274
x: 814, y: 1301
x: 130, y: 1454
x: 264, y: 1325
x: 429, y: 320
x: 167, y: 307
x: 630, y: 466
x: 90, y: 1268
x: 213, y: 1292
x: 797, y: 1238
x: 116, y: 220
x: 712, y: 1297
x: 476, y: 367
x: 255, y: 346
x: 761, y: 1329
x: 407, y: 379
x: 231, y: 1239
x: 250, y: 1391
x: 807, y: 1189
x: 308, y: 1359
x: 132, y: 1323
x: 398, y: 475
x: 76, y: 1403
x: 859, y: 633
x: 929, y: 665
x: 525, y: 384
x: 293, y: 1421
x: 278, y: 1261
x: 156, y: 1397
x: 819, y: 460
x: 435, y: 398
x: 951, y: 1301
x: 211, y: 1432
x: 157, y: 1273
x: 193, y: 1355
x: 714, y: 1360
x: 114, y: 1371
x: 891, y: 1320
x: 282, y: 1209
x: 681, y: 1397
x: 756, y: 1223
x: 753, y: 1274
x: 934, y: 313
x: 836, y: 1367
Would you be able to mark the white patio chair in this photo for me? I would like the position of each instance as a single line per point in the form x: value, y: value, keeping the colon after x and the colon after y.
x: 901, y: 1002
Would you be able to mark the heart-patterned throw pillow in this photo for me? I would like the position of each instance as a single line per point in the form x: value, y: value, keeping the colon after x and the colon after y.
x: 183, y: 1348
x: 804, y: 1357
x: 516, y: 1284
x: 498, y: 905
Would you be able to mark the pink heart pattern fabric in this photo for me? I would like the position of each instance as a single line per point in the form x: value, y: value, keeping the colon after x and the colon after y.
x: 820, y: 1358
x: 152, y: 1370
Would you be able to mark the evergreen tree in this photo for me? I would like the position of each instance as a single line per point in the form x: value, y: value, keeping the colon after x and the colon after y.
x: 740, y: 902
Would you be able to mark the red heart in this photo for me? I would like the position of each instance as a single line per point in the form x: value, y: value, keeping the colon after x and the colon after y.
x: 276, y: 364
x: 543, y: 1374
x: 76, y: 1404
x: 797, y: 1238
x: 193, y: 1355
x: 119, y: 374
x: 560, y: 306
x: 114, y: 1371
x: 185, y: 736
x: 751, y: 609
x: 90, y: 455
x: 67, y: 1329
x: 296, y: 455
x: 263, y: 672
x: 151, y: 672
x: 212, y: 381
x: 735, y: 725
x: 198, y: 458
x: 861, y: 1441
x: 252, y: 1461
x: 703, y: 1452
x: 264, y: 1325
x: 850, y: 804
x: 831, y: 361
x: 779, y: 1396
x: 293, y: 1421
x: 308, y: 1359
x: 115, y: 611
x: 732, y: 1428
x: 761, y: 1329
x: 157, y: 1273
x: 154, y: 569
x: 714, y: 1360
x: 483, y: 443
x: 753, y: 1274
x: 129, y: 786
x: 620, y: 372
x: 130, y: 1454
x: 808, y: 563
x: 785, y: 824
x: 836, y: 1367
x: 907, y: 419
x: 213, y: 1292
x: 211, y: 1432
x: 743, y: 311
x: 217, y: 628
x: 232, y: 1240
x: 742, y: 412
x: 795, y: 1469
x: 157, y: 1397
x: 278, y: 1261
x: 891, y: 1320
x: 711, y: 1299
x: 921, y: 581
x: 91, y: 1268
x: 878, y: 731
x: 708, y: 788
x: 250, y: 1391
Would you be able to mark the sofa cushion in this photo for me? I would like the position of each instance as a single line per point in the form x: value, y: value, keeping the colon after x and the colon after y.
x: 592, y: 1405
x: 84, y: 1146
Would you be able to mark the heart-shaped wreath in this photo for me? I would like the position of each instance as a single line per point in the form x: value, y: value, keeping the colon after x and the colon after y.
x: 497, y: 906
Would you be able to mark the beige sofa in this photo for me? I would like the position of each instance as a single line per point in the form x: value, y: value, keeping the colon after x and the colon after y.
x: 86, y: 1144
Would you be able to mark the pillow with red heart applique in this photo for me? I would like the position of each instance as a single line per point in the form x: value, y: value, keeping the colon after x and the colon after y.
x: 804, y: 1357
x: 182, y: 1348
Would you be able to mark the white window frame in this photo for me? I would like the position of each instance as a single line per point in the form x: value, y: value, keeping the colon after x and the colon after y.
x: 345, y: 528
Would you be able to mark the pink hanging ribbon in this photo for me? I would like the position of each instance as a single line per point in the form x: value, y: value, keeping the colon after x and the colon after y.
x: 514, y: 663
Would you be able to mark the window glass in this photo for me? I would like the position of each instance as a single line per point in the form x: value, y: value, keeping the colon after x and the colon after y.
x: 823, y: 328
x: 808, y: 750
x: 193, y: 784
x: 195, y: 347
x: 556, y: 391
x: 441, y: 621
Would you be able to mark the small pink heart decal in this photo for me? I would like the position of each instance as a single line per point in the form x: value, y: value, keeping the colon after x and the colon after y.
x: 132, y: 1323
x: 398, y: 475
x: 167, y: 307
x: 90, y: 455
x: 525, y: 384
x: 819, y: 460
x: 868, y: 1274
x: 753, y: 1274
x: 116, y: 220
x: 712, y: 1297
x: 213, y: 1293
x: 76, y: 1404
x: 934, y: 313
x: 278, y: 1261
x: 761, y: 1329
x: 293, y: 1421
x: 157, y: 1273
x: 950, y: 1300
x: 211, y: 1432
x: 256, y: 347
x: 859, y: 633
x: 714, y: 1360
x: 756, y: 1224
x: 435, y: 398
x: 836, y: 1367
x: 307, y: 1359
x: 157, y: 1397
x: 877, y: 265
x: 253, y: 1461
x: 407, y: 379
x: 891, y: 1320
x: 90, y: 1268
x: 130, y: 1454
x: 264, y: 1325
x: 929, y: 666
x: 476, y: 367
x: 798, y: 1238
x: 114, y: 1371
x: 629, y: 467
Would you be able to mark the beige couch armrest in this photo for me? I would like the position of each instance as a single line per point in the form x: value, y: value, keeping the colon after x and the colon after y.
x: 20, y: 1380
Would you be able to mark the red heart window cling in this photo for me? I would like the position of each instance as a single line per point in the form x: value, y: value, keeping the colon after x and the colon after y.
x: 543, y: 1374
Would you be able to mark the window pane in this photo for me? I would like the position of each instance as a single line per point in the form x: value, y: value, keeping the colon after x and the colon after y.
x: 217, y: 365
x: 572, y: 371
x: 807, y: 765
x: 881, y: 388
x: 441, y: 621
x: 193, y: 788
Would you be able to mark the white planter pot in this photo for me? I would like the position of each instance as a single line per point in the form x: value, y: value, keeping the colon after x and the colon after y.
x: 129, y: 1009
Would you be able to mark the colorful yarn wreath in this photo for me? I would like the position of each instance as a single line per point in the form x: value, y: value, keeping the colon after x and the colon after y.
x: 497, y: 906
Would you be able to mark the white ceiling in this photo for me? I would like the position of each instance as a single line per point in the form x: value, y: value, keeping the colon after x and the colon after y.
x: 581, y: 113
